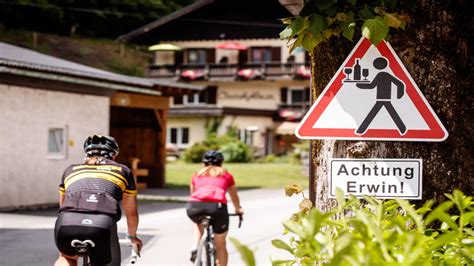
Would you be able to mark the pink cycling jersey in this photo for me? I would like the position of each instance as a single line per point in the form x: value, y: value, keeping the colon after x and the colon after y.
x: 211, y: 189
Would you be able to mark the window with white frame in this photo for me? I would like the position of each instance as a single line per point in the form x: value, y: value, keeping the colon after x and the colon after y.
x: 296, y: 96
x: 194, y: 99
x: 178, y: 136
x: 57, y: 146
x: 246, y: 135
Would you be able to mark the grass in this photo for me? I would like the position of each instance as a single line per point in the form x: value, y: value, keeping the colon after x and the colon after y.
x: 246, y: 175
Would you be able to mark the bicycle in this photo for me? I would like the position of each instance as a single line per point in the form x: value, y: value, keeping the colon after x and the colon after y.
x: 83, y: 249
x: 206, y: 243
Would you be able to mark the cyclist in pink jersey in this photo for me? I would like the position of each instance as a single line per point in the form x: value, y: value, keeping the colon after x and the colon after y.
x: 208, y: 197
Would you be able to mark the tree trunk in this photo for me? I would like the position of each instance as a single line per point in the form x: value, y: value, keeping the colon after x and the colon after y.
x: 436, y: 48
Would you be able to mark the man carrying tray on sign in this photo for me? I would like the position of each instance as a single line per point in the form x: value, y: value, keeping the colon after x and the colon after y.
x: 383, y: 82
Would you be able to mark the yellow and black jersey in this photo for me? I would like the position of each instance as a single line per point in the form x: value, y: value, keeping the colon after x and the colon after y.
x: 96, y: 188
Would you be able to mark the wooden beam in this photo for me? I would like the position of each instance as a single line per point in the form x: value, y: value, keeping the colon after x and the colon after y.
x: 130, y: 100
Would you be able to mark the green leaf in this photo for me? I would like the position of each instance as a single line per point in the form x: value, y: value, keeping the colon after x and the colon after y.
x: 297, y: 25
x: 294, y: 228
x: 318, y: 24
x: 392, y: 20
x: 390, y: 4
x: 283, y: 262
x: 297, y: 43
x: 366, y: 13
x: 352, y: 2
x: 286, y: 33
x: 281, y: 245
x: 245, y: 252
x: 348, y: 32
x: 308, y: 43
x: 324, y: 4
x: 341, y: 201
x: 375, y: 30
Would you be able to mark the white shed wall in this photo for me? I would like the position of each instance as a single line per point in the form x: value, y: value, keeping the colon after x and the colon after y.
x: 27, y: 175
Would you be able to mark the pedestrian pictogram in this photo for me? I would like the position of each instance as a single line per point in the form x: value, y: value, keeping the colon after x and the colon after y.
x: 372, y: 97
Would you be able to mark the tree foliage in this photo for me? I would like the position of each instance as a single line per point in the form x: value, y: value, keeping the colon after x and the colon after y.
x: 97, y: 18
x: 321, y: 19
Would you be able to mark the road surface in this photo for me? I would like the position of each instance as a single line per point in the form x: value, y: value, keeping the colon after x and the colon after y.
x: 26, y: 238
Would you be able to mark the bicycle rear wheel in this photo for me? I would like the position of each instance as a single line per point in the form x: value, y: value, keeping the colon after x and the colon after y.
x: 210, y: 255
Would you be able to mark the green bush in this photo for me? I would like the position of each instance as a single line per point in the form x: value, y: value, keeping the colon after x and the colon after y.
x: 233, y: 149
x: 376, y: 232
x: 194, y: 153
x: 236, y: 152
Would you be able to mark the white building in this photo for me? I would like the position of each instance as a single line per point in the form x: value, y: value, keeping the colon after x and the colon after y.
x: 48, y: 106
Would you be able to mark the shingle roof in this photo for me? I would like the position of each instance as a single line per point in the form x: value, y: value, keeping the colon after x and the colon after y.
x: 18, y: 57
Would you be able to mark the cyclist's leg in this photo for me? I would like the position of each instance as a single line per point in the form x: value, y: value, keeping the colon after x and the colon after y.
x: 114, y: 247
x: 64, y: 260
x: 220, y: 224
x: 195, y: 210
x: 221, y: 248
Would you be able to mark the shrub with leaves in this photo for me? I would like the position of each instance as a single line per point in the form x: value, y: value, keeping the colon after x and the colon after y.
x: 321, y: 19
x: 233, y: 149
x: 376, y: 232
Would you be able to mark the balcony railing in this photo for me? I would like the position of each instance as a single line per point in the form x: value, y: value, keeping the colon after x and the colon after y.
x: 244, y: 72
x: 292, y: 112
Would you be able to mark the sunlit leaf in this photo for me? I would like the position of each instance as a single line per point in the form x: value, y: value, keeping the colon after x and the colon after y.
x: 297, y: 25
x: 283, y: 262
x: 375, y: 30
x: 293, y: 188
x: 281, y: 245
x: 305, y: 205
x: 245, y: 252
x: 286, y: 33
x: 392, y: 20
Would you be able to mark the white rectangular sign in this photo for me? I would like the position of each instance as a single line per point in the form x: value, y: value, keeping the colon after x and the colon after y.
x: 382, y: 178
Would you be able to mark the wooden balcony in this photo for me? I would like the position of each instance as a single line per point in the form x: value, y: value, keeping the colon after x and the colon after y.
x: 246, y: 71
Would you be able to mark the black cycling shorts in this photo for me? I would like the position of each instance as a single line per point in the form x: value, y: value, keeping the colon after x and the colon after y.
x: 217, y: 211
x: 100, y: 228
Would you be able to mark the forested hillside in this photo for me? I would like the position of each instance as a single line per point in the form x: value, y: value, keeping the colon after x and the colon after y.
x: 93, y: 18
x: 84, y: 31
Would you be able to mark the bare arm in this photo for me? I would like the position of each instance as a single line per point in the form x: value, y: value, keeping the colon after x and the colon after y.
x: 61, y: 199
x: 235, y: 199
x: 129, y: 205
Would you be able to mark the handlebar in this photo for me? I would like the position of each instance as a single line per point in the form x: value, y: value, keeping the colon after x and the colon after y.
x: 135, y: 253
x: 240, y: 217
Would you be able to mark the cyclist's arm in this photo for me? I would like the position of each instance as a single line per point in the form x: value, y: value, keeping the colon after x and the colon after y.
x: 61, y: 199
x: 129, y: 205
x: 235, y: 199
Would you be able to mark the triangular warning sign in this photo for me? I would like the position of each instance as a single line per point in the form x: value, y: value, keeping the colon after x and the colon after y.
x: 372, y: 97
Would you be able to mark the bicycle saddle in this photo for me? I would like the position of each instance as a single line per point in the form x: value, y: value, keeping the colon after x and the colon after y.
x: 204, y: 220
x: 82, y: 246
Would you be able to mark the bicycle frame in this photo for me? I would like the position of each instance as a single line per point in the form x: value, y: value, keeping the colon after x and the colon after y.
x: 207, y: 242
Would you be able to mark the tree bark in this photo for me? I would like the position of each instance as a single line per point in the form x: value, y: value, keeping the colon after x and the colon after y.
x: 436, y: 48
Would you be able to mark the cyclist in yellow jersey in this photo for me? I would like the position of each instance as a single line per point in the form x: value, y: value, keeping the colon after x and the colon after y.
x: 90, y: 196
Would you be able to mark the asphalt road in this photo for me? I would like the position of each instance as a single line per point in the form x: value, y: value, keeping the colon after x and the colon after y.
x: 26, y: 238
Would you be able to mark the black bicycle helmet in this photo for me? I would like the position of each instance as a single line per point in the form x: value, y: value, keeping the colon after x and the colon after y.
x: 212, y: 158
x: 98, y: 145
